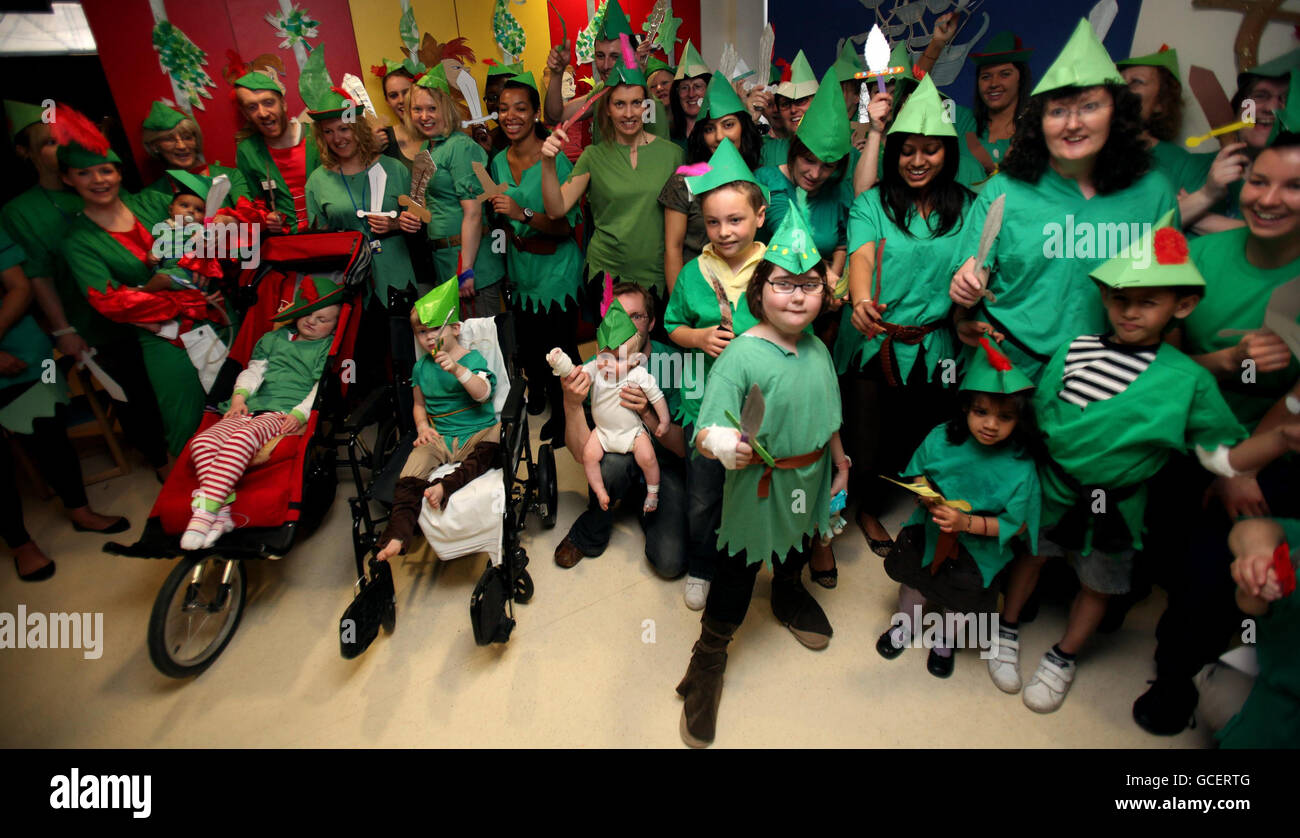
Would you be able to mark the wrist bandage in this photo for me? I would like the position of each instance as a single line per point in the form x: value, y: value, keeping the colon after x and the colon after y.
x: 721, y: 442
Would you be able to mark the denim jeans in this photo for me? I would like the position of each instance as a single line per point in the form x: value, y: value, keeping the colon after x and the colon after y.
x: 704, y: 479
x: 665, y: 528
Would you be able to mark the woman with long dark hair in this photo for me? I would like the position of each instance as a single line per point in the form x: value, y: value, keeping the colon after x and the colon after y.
x: 1077, y: 180
x: 1002, y: 85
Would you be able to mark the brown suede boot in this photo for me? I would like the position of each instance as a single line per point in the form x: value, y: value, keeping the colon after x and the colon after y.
x: 702, y: 685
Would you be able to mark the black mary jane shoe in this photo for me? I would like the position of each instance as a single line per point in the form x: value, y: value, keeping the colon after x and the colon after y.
x: 120, y: 525
x: 880, y: 546
x: 885, y: 646
x: 826, y: 578
x: 939, y: 666
x: 40, y: 574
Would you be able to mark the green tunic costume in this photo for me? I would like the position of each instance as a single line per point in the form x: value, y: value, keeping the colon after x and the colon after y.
x: 96, y: 260
x: 1184, y: 169
x: 1120, y: 442
x: 1270, y: 718
x: 540, y: 280
x: 293, y: 368
x: 238, y: 184
x: 828, y: 210
x: 1051, y: 239
x: 798, y: 387
x: 254, y: 161
x: 996, y: 480
x: 443, y: 394
x: 27, y: 342
x: 913, y: 284
x: 453, y: 182
x: 774, y: 151
x: 332, y: 203
x: 1236, y: 295
x: 628, y: 239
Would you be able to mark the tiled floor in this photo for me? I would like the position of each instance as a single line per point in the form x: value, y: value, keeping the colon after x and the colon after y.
x: 592, y: 663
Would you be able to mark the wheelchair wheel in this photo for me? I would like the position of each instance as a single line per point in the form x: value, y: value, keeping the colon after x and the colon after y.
x: 387, y: 440
x: 547, y: 493
x: 523, y: 587
x: 195, y: 615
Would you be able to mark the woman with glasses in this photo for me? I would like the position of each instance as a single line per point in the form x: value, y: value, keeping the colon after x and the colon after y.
x: 1079, y: 187
x: 894, y: 340
x: 686, y: 96
x: 175, y: 139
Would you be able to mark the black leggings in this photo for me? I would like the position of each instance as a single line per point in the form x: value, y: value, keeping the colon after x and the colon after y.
x: 539, y: 332
x: 142, y: 423
x: 733, y: 582
x: 57, y: 462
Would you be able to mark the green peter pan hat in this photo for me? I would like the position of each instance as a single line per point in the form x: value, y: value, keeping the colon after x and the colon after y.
x: 1003, y: 48
x: 848, y: 63
x: 923, y: 113
x: 1287, y: 119
x: 436, y: 79
x: 824, y: 128
x: 81, y: 143
x: 721, y: 98
x: 190, y: 182
x: 322, y: 98
x: 615, y: 23
x: 258, y: 81
x: 991, y: 372
x: 1163, y: 57
x: 433, y: 308
x: 1274, y: 69
x: 792, y: 245
x: 162, y: 118
x: 1083, y: 62
x: 314, y: 292
x: 527, y: 79
x: 655, y: 64
x: 495, y: 69
x: 725, y: 166
x: 20, y: 116
x: 625, y: 75
x: 616, y: 327
x: 802, y: 80
x: 1159, y: 260
x: 692, y: 64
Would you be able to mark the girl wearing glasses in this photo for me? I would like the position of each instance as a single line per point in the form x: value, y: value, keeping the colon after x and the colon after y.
x: 782, y: 468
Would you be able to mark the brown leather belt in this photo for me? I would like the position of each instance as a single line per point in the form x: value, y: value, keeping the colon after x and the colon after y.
x: 542, y: 245
x: 450, y: 241
x: 909, y: 335
x: 797, y: 461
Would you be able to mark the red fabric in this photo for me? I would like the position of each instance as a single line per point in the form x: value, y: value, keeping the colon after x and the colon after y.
x: 137, y: 241
x: 1171, y: 247
x: 133, y: 305
x: 1284, y: 569
x: 292, y: 163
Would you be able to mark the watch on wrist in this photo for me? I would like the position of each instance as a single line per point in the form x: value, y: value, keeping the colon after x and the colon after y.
x: 528, y: 215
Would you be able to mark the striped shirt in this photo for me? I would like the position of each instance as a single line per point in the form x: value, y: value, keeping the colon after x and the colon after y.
x: 1097, y: 369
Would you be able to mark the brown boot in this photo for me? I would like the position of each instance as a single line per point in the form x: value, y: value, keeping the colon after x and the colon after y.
x: 702, y: 685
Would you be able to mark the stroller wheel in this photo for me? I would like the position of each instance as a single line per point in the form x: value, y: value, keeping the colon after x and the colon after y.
x: 523, y: 587
x: 195, y: 615
x: 547, y: 493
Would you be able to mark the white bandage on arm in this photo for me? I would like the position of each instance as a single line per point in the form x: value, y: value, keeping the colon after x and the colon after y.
x: 721, y: 442
x: 487, y: 394
x: 1216, y: 461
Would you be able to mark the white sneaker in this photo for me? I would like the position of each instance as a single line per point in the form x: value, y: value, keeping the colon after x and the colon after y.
x: 697, y: 592
x: 1004, y: 667
x: 1046, y: 690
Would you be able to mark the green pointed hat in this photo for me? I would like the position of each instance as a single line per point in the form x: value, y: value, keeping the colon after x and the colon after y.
x: 792, y: 245
x: 322, y: 98
x: 1288, y: 118
x: 1163, y: 57
x: 1277, y: 68
x: 314, y: 292
x: 615, y: 23
x: 527, y: 79
x: 1003, y: 48
x: 21, y: 115
x: 162, y: 118
x: 433, y: 308
x: 623, y: 75
x: 692, y: 64
x: 258, y: 81
x: 899, y: 57
x: 774, y: 74
x: 923, y: 113
x: 1083, y: 62
x: 616, y: 327
x: 190, y: 182
x: 655, y: 64
x: 495, y: 69
x: 848, y: 63
x: 802, y: 80
x: 436, y: 79
x: 991, y: 372
x: 824, y: 128
x: 1158, y: 260
x: 725, y: 166
x: 721, y: 98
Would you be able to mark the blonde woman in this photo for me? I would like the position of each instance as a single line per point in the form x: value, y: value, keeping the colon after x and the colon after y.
x: 175, y: 140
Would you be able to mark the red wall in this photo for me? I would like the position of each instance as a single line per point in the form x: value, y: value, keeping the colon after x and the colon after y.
x: 575, y: 15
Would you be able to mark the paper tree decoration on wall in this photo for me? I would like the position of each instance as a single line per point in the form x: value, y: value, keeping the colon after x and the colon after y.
x: 585, y: 48
x: 507, y: 32
x: 183, y: 62
x: 294, y: 26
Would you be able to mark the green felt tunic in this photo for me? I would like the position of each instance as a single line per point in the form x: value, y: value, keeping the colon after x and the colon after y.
x: 970, y: 172
x: 540, y: 280
x: 26, y: 341
x: 332, y: 203
x: 453, y: 182
x: 913, y: 284
x: 254, y: 161
x: 802, y: 398
x: 293, y: 367
x: 828, y: 210
x: 1185, y: 169
x: 1045, y: 300
x: 1236, y: 295
x: 444, y: 394
x: 97, y: 261
x: 996, y: 480
x: 774, y: 152
x: 628, y: 235
x: 694, y: 304
x: 238, y: 184
x: 1270, y: 718
x: 1172, y: 406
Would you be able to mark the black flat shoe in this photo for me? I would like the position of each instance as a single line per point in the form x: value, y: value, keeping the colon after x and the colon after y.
x: 120, y: 525
x: 40, y: 574
x: 1166, y: 708
x: 885, y: 646
x: 939, y: 666
x: 536, y: 404
x: 797, y: 610
x: 880, y: 546
x: 826, y: 578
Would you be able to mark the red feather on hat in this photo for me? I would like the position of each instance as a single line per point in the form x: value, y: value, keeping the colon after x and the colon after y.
x: 999, y: 362
x: 378, y: 70
x: 71, y: 126
x: 1170, y: 246
x: 340, y: 91
x: 785, y: 69
x: 607, y: 299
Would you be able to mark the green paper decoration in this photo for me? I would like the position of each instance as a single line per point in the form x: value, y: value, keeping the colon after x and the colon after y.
x: 294, y: 27
x: 506, y: 31
x: 183, y: 62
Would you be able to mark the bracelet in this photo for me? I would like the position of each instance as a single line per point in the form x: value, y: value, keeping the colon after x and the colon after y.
x: 58, y: 333
x: 465, y: 275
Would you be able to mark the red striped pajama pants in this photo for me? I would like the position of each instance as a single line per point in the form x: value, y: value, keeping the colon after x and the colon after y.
x: 223, y: 451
